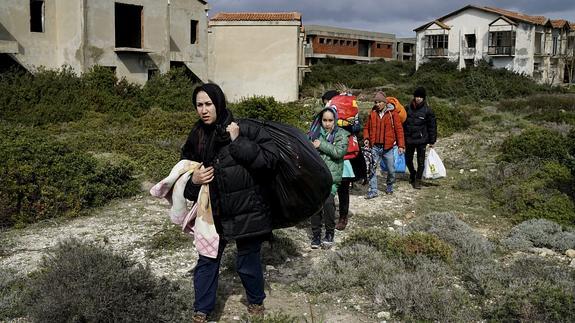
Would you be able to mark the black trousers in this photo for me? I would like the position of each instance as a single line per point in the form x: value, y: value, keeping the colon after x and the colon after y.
x: 409, y: 151
x: 327, y: 217
x: 343, y: 196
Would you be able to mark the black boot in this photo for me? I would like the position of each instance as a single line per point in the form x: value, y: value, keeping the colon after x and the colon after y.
x: 417, y: 184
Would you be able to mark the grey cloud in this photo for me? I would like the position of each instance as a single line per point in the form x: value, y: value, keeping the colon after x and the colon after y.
x: 388, y: 16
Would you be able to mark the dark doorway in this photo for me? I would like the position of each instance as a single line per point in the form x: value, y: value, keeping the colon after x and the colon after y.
x: 128, y: 27
x: 363, y: 49
x: 37, y: 16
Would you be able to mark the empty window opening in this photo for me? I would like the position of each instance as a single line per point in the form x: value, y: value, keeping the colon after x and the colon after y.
x: 388, y: 46
x: 37, y: 16
x: 153, y: 72
x: 193, y: 31
x: 378, y: 45
x: 470, y: 40
x: 129, y: 27
x: 348, y: 43
x: 328, y: 41
x: 321, y: 40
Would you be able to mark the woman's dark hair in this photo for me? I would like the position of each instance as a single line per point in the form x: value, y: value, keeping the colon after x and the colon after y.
x: 329, y: 95
x: 216, y: 95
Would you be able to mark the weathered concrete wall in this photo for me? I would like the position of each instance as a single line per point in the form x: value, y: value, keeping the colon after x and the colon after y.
x: 182, y: 50
x: 34, y: 48
x: 250, y: 58
x: 134, y: 66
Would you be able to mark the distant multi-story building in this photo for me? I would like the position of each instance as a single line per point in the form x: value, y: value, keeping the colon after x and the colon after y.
x: 350, y: 44
x: 405, y: 49
x: 531, y: 45
x: 135, y: 38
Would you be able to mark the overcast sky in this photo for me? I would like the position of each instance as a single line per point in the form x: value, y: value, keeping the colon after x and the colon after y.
x: 399, y: 17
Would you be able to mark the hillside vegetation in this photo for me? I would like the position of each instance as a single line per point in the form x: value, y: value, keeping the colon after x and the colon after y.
x: 488, y: 243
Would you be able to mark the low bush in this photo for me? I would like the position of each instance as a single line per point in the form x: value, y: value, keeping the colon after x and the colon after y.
x: 355, y: 76
x: 394, y: 245
x: 535, y: 290
x: 267, y: 108
x: 353, y: 266
x: 450, y: 119
x: 426, y: 292
x: 468, y: 245
x: 540, y: 103
x: 533, y: 188
x: 81, y: 282
x: 43, y: 178
x: 535, y: 142
x: 539, y: 233
x: 169, y: 238
x: 12, y: 289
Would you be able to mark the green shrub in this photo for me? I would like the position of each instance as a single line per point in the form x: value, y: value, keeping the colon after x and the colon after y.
x: 81, y: 282
x: 450, y: 119
x: 533, y: 188
x: 393, y: 245
x: 169, y: 238
x: 43, y: 178
x: 267, y: 108
x: 468, y: 245
x: 535, y: 142
x: 539, y: 233
x: 171, y: 91
x: 12, y: 289
x: 535, y: 290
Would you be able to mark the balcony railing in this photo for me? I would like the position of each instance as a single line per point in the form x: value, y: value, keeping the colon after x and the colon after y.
x: 436, y: 52
x: 501, y: 50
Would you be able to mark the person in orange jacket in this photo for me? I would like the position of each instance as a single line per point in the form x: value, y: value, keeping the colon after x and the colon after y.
x: 382, y: 131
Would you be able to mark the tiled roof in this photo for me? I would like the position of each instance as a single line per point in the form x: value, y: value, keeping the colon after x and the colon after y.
x: 559, y: 23
x: 257, y: 16
x: 537, y: 20
x: 516, y: 16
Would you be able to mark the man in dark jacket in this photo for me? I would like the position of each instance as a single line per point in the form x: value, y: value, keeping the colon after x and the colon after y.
x: 420, y: 130
x: 236, y: 160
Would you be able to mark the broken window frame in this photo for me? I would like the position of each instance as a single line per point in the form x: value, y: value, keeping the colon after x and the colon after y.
x: 194, y: 24
x: 122, y: 38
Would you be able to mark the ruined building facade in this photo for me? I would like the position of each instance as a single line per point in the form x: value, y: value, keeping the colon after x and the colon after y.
x: 135, y: 38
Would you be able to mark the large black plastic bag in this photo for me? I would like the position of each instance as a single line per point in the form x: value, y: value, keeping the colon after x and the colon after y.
x: 302, y: 182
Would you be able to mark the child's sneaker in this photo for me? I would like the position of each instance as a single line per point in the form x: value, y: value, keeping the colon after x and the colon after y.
x: 327, y: 240
x: 389, y: 189
x: 316, y: 240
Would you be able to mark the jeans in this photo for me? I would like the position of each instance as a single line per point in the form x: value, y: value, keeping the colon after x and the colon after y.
x: 409, y: 151
x: 327, y: 216
x: 248, y: 266
x: 387, y: 154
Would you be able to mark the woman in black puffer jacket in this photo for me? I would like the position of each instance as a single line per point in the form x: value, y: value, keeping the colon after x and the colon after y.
x: 236, y: 161
x: 420, y: 130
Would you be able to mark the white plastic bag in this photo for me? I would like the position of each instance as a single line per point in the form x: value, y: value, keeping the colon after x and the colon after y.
x: 434, y: 168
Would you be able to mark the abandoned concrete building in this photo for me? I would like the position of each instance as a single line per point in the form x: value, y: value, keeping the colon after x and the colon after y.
x: 135, y: 38
x: 354, y: 45
x: 257, y: 54
x: 532, y: 45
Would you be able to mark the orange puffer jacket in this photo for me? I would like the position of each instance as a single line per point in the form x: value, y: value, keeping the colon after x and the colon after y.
x: 385, y: 131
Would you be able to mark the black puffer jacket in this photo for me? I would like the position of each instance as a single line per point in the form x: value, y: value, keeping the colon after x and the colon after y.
x: 241, y: 169
x: 420, y: 127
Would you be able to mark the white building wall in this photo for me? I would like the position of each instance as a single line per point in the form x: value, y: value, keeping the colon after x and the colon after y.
x: 255, y: 59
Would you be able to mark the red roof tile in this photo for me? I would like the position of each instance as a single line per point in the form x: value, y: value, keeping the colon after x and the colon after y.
x: 538, y: 20
x: 257, y: 16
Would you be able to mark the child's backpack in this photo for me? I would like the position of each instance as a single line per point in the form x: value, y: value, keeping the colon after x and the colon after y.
x: 302, y: 182
x: 346, y: 106
x: 399, y: 107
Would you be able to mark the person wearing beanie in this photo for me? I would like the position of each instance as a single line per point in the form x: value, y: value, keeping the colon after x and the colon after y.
x: 383, y: 130
x: 420, y: 130
x: 230, y: 155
